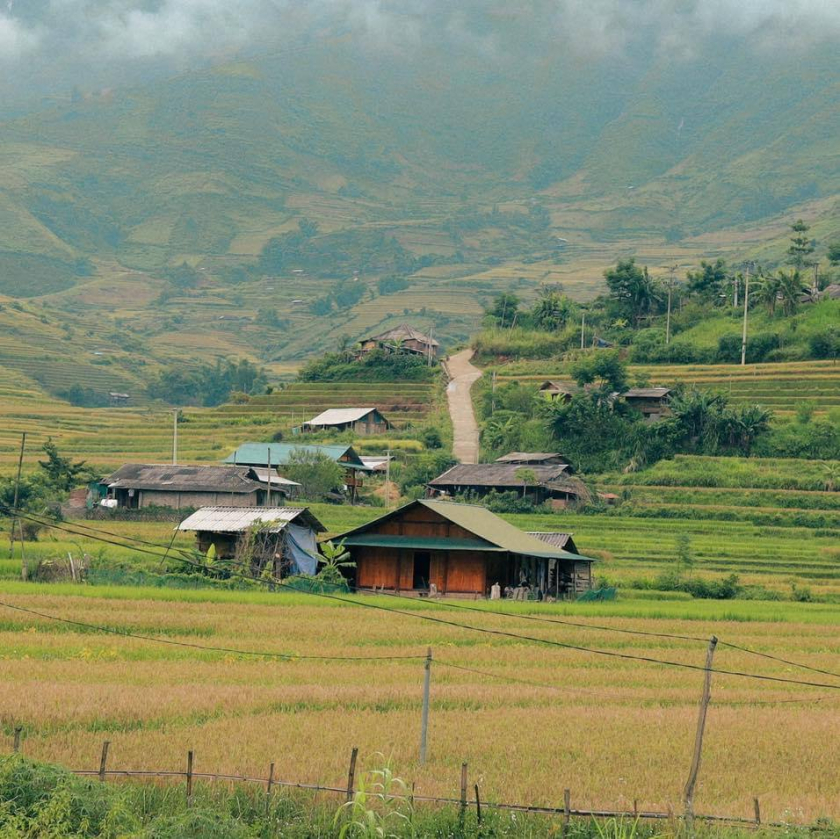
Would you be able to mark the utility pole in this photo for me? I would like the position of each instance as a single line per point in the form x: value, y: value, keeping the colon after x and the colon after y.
x: 424, y: 720
x: 582, y: 326
x: 493, y: 396
x: 672, y: 269
x: 23, y: 569
x: 268, y: 484
x: 746, y: 310
x: 701, y: 728
x: 388, y: 479
x: 175, y: 437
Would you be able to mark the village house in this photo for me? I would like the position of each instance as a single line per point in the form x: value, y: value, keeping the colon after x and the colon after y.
x: 652, y: 402
x: 278, y: 455
x: 536, y: 459
x: 539, y: 482
x: 282, y: 539
x: 402, y: 338
x: 135, y: 486
x: 363, y: 422
x: 456, y: 549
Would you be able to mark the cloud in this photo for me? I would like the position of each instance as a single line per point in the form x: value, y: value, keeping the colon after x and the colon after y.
x: 16, y: 39
x: 87, y: 34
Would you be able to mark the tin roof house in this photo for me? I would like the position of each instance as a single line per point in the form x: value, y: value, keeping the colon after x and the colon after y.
x: 280, y: 539
x: 460, y: 550
x: 361, y: 421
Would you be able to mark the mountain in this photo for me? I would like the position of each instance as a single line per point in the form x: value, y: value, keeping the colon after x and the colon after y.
x: 456, y: 170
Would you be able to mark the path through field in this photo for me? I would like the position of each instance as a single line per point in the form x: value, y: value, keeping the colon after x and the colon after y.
x: 464, y: 426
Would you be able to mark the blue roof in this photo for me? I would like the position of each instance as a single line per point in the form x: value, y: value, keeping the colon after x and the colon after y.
x: 261, y: 454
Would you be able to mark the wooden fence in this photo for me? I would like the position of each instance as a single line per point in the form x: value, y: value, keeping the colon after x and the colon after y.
x: 463, y: 802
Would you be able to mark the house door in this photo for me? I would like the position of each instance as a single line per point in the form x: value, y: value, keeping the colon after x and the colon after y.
x: 422, y: 569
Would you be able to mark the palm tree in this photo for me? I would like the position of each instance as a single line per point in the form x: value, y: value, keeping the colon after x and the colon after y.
x: 791, y: 289
x: 747, y: 425
x: 767, y: 292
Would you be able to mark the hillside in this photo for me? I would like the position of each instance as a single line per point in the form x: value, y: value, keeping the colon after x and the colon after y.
x: 461, y: 191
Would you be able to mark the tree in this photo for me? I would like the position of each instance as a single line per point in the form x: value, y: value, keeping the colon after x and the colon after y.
x: 791, y: 287
x: 552, y: 311
x: 801, y: 245
x: 709, y: 281
x: 767, y: 291
x: 604, y: 369
x: 527, y: 476
x: 504, y: 310
x: 61, y: 473
x: 834, y: 253
x: 317, y: 474
x: 633, y: 289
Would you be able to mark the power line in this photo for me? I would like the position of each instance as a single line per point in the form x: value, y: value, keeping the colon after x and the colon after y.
x: 498, y: 632
x: 561, y: 644
x: 204, y: 647
x: 779, y: 659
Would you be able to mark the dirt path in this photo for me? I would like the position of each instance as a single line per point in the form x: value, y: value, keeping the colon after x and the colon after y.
x: 462, y: 375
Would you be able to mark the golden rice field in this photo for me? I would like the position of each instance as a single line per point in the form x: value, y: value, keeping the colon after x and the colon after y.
x: 611, y: 730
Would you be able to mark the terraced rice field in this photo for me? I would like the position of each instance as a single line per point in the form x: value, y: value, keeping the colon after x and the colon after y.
x: 108, y: 437
x: 780, y: 387
x: 529, y: 718
x: 402, y: 403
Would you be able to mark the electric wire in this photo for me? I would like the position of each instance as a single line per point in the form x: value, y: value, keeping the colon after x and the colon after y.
x: 497, y: 632
x: 205, y: 647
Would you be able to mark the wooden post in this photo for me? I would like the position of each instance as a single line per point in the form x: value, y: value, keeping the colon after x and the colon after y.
x: 636, y: 808
x: 757, y: 807
x: 701, y: 727
x: 567, y: 809
x: 477, y: 804
x: 103, y: 760
x: 424, y: 718
x: 18, y: 733
x: 189, y: 777
x: 268, y: 785
x: 351, y: 775
x: 175, y: 437
x: 463, y: 789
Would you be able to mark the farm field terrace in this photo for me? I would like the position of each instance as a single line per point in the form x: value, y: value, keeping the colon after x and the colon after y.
x: 612, y: 730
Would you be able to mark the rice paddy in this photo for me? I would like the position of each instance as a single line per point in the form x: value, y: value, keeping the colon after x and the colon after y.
x: 614, y: 731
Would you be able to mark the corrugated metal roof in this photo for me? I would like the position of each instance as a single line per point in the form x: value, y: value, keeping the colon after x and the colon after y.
x: 239, y: 519
x: 431, y: 543
x: 340, y: 416
x: 500, y: 475
x: 560, y: 387
x: 175, y: 478
x: 528, y: 457
x: 278, y: 454
x: 262, y: 474
x: 556, y: 540
x: 646, y: 392
x: 404, y: 332
x: 477, y: 520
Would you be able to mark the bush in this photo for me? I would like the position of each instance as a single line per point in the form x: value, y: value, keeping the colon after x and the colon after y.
x: 759, y: 346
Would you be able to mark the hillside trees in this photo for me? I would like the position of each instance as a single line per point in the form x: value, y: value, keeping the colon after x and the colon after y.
x: 801, y: 245
x: 633, y: 292
x: 708, y: 282
x: 206, y: 384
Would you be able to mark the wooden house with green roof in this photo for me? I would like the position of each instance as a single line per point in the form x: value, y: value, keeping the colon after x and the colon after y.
x: 460, y: 550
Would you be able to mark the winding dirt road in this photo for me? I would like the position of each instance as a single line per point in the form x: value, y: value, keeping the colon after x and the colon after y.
x: 465, y: 429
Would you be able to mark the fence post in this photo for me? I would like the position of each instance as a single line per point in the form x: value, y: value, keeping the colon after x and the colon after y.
x: 477, y: 804
x: 567, y: 810
x: 351, y: 775
x: 18, y: 733
x: 103, y: 760
x: 424, y: 720
x: 463, y: 789
x: 701, y: 727
x: 757, y: 807
x: 189, y: 777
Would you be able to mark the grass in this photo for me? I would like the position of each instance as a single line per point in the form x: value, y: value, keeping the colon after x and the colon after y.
x: 614, y: 730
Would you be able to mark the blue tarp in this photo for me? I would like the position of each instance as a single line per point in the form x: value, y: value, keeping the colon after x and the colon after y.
x: 304, y: 552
